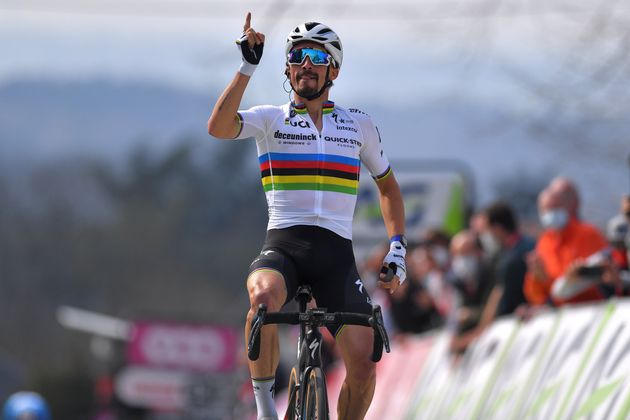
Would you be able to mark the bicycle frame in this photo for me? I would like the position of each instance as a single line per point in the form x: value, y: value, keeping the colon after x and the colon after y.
x: 310, y: 339
x: 309, y: 351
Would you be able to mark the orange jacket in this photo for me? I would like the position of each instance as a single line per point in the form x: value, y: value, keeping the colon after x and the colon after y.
x: 558, y: 249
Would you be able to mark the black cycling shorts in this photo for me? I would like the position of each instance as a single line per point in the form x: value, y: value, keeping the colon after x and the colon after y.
x: 320, y: 258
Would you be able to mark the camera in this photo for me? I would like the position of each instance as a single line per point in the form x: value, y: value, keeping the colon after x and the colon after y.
x: 591, y: 270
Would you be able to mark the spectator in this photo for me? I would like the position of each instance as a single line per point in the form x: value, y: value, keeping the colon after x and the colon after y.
x: 412, y: 308
x: 472, y: 279
x: 501, y: 227
x: 617, y: 235
x: 564, y: 241
x: 608, y: 268
x: 433, y: 263
x: 617, y: 274
x: 625, y: 207
x: 625, y: 210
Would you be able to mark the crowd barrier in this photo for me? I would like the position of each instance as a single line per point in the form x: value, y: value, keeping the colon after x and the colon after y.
x: 572, y: 363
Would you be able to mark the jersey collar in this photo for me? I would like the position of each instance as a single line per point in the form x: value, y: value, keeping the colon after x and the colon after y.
x: 327, y: 107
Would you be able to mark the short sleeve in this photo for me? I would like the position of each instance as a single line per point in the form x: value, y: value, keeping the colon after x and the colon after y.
x: 253, y: 122
x: 372, y: 154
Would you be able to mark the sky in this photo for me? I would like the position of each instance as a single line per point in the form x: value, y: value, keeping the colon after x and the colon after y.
x: 189, y: 44
x: 519, y: 58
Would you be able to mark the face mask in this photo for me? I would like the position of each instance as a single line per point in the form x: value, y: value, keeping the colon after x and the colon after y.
x: 554, y: 219
x: 490, y: 243
x: 439, y: 255
x: 465, y: 266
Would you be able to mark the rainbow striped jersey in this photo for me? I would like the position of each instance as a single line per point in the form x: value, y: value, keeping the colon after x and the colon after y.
x: 311, y: 177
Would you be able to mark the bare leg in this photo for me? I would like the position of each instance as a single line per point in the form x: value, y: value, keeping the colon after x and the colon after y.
x: 356, y: 394
x: 265, y: 286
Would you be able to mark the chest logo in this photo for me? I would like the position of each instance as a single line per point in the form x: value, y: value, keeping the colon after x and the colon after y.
x: 299, y: 123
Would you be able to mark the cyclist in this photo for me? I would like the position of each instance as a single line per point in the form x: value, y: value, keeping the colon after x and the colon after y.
x: 310, y: 151
x: 26, y: 405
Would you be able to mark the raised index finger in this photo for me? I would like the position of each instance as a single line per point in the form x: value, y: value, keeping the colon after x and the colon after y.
x: 248, y: 20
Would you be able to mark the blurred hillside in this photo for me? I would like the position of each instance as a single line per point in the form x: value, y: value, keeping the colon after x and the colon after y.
x: 47, y: 120
x: 171, y: 241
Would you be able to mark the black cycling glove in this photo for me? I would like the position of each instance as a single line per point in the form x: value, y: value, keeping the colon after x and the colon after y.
x: 251, y: 56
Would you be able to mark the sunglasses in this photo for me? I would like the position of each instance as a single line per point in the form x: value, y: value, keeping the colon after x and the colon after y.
x: 317, y: 57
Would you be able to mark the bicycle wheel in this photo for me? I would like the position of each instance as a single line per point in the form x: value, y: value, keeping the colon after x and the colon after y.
x: 315, y: 406
x: 293, y: 395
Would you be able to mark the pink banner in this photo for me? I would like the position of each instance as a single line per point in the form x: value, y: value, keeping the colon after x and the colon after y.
x: 183, y: 346
x: 396, y: 374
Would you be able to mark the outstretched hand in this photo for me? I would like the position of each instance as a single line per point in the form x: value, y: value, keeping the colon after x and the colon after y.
x: 251, y: 45
x: 253, y: 38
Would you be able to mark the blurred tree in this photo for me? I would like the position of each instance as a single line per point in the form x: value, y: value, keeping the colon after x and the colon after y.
x: 521, y: 190
x: 173, y: 240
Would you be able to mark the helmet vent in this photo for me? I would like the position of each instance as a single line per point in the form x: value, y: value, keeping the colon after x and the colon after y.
x: 324, y: 31
x: 310, y: 25
x: 320, y: 38
x: 336, y: 44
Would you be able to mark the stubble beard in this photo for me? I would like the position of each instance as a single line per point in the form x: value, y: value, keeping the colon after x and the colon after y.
x: 307, y: 91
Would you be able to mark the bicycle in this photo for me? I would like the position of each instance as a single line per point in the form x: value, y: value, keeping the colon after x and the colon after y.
x: 308, y: 399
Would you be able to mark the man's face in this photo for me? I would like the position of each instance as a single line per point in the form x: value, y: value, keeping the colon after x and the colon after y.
x: 550, y: 201
x: 552, y: 211
x: 307, y: 78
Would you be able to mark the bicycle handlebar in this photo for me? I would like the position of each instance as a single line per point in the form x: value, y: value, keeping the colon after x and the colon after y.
x: 319, y: 317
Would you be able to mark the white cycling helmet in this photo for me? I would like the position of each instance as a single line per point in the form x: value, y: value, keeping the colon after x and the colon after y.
x: 320, y: 33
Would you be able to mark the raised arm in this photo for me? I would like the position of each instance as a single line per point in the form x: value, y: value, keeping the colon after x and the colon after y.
x: 224, y: 122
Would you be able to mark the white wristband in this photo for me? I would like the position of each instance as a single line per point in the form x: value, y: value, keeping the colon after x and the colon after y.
x: 247, y: 68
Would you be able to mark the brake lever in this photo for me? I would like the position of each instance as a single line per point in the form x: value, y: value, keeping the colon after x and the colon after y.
x: 253, y: 344
x: 377, y: 315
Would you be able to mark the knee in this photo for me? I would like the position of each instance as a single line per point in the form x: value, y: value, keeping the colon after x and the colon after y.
x: 362, y: 371
x: 266, y: 291
x: 266, y: 296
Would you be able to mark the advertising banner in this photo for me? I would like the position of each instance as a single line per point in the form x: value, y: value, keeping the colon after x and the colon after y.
x: 517, y: 369
x: 601, y: 386
x: 477, y: 371
x: 558, y: 366
x: 183, y: 346
x: 570, y: 363
x: 155, y: 388
x: 433, y: 380
x: 433, y: 199
x: 397, y: 373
